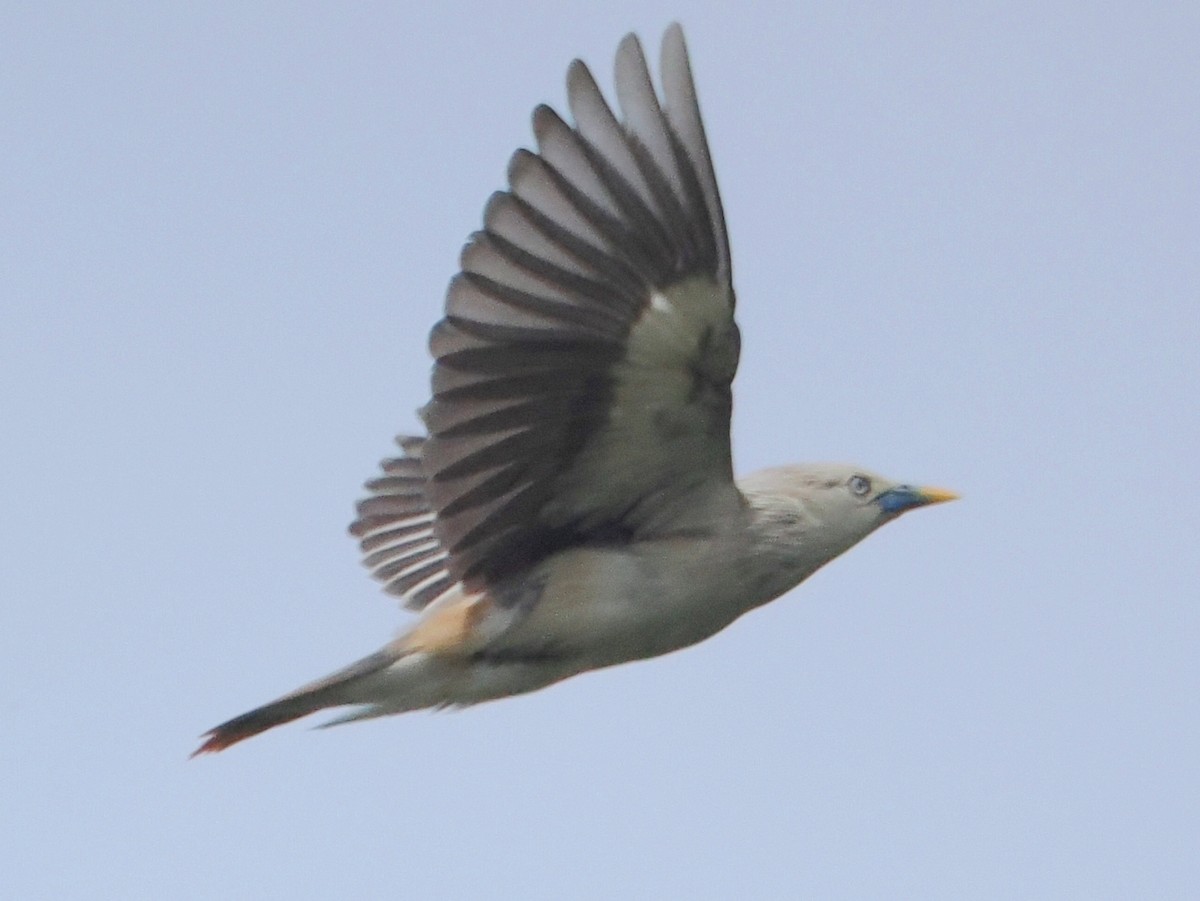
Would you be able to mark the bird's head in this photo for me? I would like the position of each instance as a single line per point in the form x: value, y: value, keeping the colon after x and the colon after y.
x: 832, y: 504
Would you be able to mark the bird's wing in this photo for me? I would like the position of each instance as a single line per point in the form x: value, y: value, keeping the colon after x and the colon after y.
x: 395, y: 530
x: 581, y: 390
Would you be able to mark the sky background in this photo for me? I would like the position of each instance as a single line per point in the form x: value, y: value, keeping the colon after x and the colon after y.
x: 966, y: 249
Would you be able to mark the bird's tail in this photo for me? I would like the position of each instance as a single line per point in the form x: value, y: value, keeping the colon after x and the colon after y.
x: 333, y: 691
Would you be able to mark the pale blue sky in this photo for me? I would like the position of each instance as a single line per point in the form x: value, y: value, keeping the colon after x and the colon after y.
x: 965, y: 245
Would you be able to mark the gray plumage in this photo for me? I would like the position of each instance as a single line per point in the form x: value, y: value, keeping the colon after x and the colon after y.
x: 573, y: 504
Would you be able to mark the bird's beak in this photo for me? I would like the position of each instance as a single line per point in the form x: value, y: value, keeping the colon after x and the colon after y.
x: 935, y: 496
x: 908, y: 497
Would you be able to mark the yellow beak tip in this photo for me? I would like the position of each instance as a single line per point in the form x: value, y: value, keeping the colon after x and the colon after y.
x: 938, y: 495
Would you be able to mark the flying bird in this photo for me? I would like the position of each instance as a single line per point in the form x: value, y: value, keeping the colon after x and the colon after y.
x: 572, y: 504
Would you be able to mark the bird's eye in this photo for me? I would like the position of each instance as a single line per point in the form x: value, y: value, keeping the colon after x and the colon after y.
x: 859, y: 485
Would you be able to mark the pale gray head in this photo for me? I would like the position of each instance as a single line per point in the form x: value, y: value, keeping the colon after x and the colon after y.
x: 830, y: 507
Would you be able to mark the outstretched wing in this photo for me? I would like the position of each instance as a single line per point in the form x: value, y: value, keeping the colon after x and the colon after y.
x: 581, y: 389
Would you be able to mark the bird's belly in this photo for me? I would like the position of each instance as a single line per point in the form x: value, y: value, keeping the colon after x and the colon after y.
x: 609, y: 606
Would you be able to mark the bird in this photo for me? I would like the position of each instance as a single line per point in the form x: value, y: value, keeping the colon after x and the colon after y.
x: 572, y: 504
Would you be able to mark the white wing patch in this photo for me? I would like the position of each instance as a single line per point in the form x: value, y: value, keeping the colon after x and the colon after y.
x: 671, y: 332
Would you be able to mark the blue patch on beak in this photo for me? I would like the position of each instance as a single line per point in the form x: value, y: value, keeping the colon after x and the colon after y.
x: 901, y: 498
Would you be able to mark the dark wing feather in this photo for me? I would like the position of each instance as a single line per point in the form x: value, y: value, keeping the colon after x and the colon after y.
x: 581, y: 387
x: 395, y: 530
